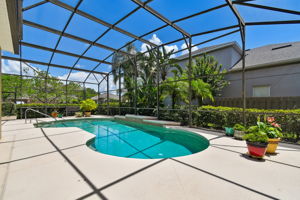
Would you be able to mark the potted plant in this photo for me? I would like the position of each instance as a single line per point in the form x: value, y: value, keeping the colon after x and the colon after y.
x: 274, y: 134
x: 87, y: 106
x: 229, y: 131
x: 239, y: 131
x: 78, y: 114
x: 257, y: 140
x: 54, y: 113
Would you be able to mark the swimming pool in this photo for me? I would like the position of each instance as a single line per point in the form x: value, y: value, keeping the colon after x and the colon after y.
x: 135, y: 140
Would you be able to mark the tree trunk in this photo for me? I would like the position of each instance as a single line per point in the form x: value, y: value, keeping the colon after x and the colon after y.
x: 200, y: 102
x: 173, y: 101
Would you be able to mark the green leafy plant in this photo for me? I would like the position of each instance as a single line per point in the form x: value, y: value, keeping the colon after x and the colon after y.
x: 274, y: 129
x: 88, y: 105
x: 239, y: 127
x: 263, y: 130
x: 257, y: 133
x: 256, y: 137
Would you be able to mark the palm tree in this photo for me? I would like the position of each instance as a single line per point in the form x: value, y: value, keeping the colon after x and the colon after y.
x: 208, y: 69
x: 174, y: 88
x: 201, y: 91
x: 122, y: 64
x: 123, y: 68
x: 161, y: 60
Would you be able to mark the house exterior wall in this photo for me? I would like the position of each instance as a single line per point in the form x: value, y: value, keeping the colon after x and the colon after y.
x: 283, y: 81
x: 227, y: 57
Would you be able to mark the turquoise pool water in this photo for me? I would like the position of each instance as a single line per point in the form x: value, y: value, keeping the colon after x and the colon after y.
x: 135, y: 140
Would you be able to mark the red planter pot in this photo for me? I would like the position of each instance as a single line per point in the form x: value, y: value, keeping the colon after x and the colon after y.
x: 257, y: 149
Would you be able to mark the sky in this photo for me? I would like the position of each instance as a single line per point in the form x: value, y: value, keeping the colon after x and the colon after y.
x: 140, y: 23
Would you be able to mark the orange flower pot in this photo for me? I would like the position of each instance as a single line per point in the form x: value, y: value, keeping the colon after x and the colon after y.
x: 272, y: 145
x: 54, y: 114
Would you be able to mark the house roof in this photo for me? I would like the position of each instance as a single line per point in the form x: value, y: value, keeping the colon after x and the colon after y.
x: 211, y: 49
x: 270, y: 55
x: 104, y: 96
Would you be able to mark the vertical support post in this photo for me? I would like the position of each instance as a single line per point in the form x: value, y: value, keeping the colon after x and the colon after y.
x: 190, y: 81
x: 242, y: 25
x: 46, y: 88
x: 107, y: 93
x: 120, y: 91
x: 157, y: 84
x: 66, y: 97
x: 84, y: 92
x: 46, y: 92
x: 98, y: 96
x: 21, y: 76
x: 243, y: 36
x: 135, y: 85
x: 0, y: 93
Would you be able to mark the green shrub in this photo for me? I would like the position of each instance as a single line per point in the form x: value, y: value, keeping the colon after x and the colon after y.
x: 8, y: 109
x: 256, y: 137
x: 45, y: 105
x: 239, y: 127
x: 88, y: 105
x: 222, y: 117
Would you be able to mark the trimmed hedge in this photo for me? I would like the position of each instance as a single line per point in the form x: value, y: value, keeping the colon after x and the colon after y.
x: 45, y: 105
x: 251, y: 110
x: 219, y: 117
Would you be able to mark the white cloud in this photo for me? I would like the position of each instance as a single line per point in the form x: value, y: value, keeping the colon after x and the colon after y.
x: 183, y: 46
x: 10, y: 67
x: 13, y: 67
x: 154, y: 39
x: 170, y: 48
x: 78, y: 66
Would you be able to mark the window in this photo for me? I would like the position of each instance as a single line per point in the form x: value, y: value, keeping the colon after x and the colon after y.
x: 261, y: 91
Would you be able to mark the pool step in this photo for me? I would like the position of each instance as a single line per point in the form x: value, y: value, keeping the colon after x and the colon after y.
x: 119, y: 117
x: 138, y: 118
x: 146, y: 120
x: 161, y: 123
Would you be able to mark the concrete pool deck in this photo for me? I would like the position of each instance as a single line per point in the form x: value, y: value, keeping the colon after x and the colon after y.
x: 55, y: 163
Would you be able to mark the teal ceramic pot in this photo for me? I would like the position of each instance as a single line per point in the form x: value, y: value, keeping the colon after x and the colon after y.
x: 229, y: 131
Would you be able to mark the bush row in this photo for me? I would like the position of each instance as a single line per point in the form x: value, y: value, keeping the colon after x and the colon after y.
x: 45, y: 105
x: 220, y: 117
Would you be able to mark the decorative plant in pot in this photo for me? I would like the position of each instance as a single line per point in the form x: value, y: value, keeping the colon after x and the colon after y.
x: 54, y: 113
x: 239, y: 131
x: 257, y: 140
x: 274, y: 134
x: 87, y: 106
x: 229, y: 131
